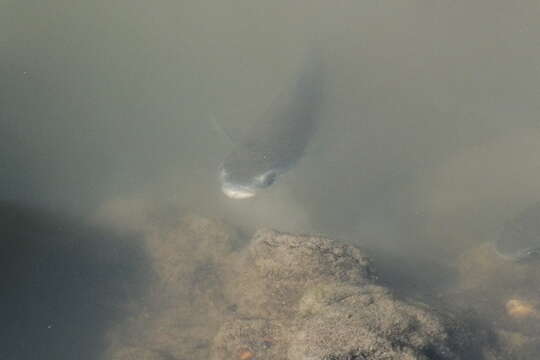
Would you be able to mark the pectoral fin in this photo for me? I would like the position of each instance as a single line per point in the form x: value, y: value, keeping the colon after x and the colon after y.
x: 222, y: 132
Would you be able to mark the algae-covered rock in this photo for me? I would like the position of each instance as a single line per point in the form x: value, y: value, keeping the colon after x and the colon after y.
x: 372, y: 324
x: 308, y: 297
x: 279, y: 297
x: 270, y: 276
x: 238, y: 337
x: 507, y: 293
x: 184, y: 309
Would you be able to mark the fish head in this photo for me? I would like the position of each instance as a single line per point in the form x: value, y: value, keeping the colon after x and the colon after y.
x: 521, y: 256
x: 244, y: 173
x: 528, y: 255
x: 519, y: 239
x: 509, y: 248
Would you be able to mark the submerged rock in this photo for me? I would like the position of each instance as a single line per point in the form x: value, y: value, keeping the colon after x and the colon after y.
x: 308, y: 297
x: 504, y: 291
x: 269, y: 277
x: 184, y: 309
x: 278, y: 297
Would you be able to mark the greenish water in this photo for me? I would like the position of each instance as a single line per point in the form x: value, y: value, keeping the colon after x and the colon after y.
x: 428, y: 142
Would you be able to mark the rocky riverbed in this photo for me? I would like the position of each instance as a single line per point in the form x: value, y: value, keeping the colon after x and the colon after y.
x: 220, y: 295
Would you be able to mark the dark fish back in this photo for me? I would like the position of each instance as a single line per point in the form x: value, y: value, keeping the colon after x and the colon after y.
x: 285, y: 129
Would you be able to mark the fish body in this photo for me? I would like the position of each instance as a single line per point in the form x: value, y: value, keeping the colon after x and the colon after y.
x: 519, y: 239
x: 277, y: 141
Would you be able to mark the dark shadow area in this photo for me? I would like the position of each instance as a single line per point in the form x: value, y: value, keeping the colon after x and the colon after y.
x: 413, y: 276
x: 63, y: 283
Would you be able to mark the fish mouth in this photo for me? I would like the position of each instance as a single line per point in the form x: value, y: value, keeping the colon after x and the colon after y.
x: 528, y: 255
x: 237, y: 192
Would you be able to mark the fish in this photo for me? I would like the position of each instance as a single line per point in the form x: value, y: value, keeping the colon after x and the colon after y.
x: 519, y: 239
x: 275, y: 142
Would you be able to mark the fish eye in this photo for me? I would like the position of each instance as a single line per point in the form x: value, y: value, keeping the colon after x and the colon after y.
x: 266, y: 179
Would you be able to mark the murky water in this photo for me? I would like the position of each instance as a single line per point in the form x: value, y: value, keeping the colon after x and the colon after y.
x: 428, y: 143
